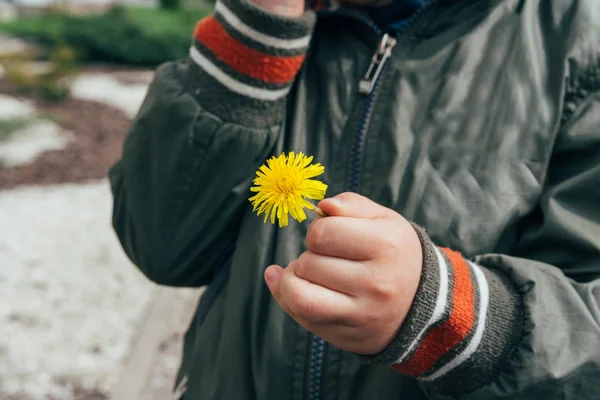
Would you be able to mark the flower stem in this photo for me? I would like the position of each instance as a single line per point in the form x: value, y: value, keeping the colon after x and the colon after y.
x: 318, y: 211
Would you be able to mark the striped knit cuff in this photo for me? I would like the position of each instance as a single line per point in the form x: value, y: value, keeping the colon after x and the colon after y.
x: 244, y: 60
x: 463, y: 323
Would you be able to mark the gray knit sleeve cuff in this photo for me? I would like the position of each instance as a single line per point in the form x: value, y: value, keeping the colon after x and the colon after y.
x: 464, y: 321
x: 243, y: 61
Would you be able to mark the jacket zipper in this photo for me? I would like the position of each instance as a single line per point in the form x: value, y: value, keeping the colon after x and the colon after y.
x: 368, y: 86
x: 384, y: 51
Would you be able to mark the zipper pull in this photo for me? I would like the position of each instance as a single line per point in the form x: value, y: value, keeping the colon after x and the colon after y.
x: 384, y: 50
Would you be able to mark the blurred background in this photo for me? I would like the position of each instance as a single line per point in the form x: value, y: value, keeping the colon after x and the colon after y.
x: 77, y: 320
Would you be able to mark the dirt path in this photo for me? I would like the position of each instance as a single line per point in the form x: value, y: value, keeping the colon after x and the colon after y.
x: 97, y: 131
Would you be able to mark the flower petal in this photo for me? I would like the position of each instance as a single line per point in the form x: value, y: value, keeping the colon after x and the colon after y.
x: 282, y: 186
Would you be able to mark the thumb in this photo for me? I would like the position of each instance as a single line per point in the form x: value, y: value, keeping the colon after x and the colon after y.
x: 273, y: 278
x: 354, y: 205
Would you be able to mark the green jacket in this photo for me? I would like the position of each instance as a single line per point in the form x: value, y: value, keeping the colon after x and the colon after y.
x: 483, y: 127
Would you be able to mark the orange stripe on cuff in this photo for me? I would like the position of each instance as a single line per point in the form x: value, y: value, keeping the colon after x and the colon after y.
x: 243, y: 59
x: 451, y: 332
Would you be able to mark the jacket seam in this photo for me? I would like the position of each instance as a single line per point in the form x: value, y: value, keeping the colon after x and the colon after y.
x: 575, y: 95
x: 582, y: 89
x: 181, y: 196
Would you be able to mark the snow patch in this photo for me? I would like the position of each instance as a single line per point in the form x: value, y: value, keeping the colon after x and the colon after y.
x: 11, y: 45
x: 70, y: 300
x: 25, y: 145
x: 107, y: 89
x: 11, y: 108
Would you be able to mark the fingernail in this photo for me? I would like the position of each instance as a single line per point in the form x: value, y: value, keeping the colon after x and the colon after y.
x: 271, y: 274
x: 336, y: 202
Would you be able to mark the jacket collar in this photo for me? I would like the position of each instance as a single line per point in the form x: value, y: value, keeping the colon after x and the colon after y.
x: 400, y: 11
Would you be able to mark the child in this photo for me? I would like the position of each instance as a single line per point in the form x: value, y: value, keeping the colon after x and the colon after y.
x: 461, y: 251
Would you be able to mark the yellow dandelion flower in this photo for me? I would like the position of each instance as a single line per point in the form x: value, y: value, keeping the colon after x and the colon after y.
x: 284, y: 185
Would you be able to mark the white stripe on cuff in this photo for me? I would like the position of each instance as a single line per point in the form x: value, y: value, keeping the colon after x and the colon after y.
x: 440, y: 305
x: 241, y: 27
x: 233, y: 84
x: 484, y: 297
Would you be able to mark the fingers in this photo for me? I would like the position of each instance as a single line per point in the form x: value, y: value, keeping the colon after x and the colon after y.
x: 307, y: 302
x: 355, y: 206
x: 340, y: 275
x: 349, y: 238
x: 273, y: 278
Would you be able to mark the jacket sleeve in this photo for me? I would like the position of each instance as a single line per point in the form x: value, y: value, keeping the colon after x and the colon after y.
x: 525, y: 325
x: 207, y: 123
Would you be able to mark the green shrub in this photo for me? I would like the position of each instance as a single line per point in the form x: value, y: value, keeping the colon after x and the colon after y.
x: 134, y: 36
x: 170, y: 4
x: 64, y: 58
x: 9, y: 126
x: 22, y: 81
x: 51, y: 83
x: 53, y: 90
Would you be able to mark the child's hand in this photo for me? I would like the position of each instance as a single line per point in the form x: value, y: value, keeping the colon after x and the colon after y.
x: 284, y: 8
x: 356, y: 283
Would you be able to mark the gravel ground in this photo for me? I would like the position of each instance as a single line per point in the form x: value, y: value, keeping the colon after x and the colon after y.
x: 161, y: 375
x: 163, y: 372
x: 70, y: 301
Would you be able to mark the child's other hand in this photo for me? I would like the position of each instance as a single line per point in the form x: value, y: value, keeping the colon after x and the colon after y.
x: 355, y: 284
x: 283, y: 8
